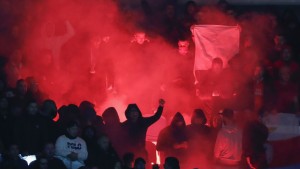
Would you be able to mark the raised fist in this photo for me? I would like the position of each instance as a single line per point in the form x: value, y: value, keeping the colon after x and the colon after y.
x: 161, y: 102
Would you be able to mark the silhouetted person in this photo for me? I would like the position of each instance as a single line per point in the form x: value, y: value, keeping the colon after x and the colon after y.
x: 173, y: 140
x: 287, y: 96
x: 21, y: 91
x: 135, y: 128
x: 40, y: 163
x: 261, y: 90
x: 255, y: 135
x: 171, y: 163
x: 70, y: 148
x: 55, y: 42
x: 89, y: 116
x: 228, y: 147
x: 90, y: 138
x: 170, y: 24
x: 47, y: 158
x: 190, y: 10
x: 112, y: 128
x: 48, y: 112
x: 214, y: 89
x: 34, y: 92
x: 31, y: 131
x: 104, y: 156
x: 139, y: 163
x: 66, y: 115
x: 5, y: 126
x: 128, y: 159
x: 12, y: 160
x: 200, y: 140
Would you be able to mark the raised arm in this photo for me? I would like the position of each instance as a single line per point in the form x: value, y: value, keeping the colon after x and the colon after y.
x: 70, y: 32
x: 150, y: 120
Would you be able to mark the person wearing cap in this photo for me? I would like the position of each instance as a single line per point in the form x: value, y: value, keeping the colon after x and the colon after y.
x: 228, y: 146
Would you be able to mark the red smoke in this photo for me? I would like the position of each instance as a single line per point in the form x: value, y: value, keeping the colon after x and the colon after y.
x: 77, y: 76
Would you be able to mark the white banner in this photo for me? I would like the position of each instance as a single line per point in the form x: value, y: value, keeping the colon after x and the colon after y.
x: 213, y: 41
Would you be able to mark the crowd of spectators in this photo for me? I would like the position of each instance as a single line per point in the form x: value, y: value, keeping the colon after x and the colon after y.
x: 226, y: 132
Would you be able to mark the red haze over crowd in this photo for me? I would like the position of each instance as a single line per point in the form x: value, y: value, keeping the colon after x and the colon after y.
x: 85, y: 50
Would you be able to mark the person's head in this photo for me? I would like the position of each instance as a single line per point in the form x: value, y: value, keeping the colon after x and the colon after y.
x: 118, y: 165
x: 72, y: 129
x: 32, y: 108
x: 110, y: 116
x: 87, y: 110
x: 21, y: 87
x: 183, y: 46
x: 140, y: 37
x: 191, y: 8
x: 16, y: 108
x: 43, y: 162
x: 49, y: 150
x: 3, y: 103
x: 286, y: 54
x: 128, y: 159
x: 227, y: 116
x: 133, y: 113
x: 89, y: 132
x: 171, y: 163
x: 217, y: 65
x: 49, y: 109
x: 49, y: 29
x: 285, y: 74
x: 3, y: 85
x: 258, y: 72
x: 247, y: 41
x: 279, y: 40
x: 13, y: 151
x: 139, y: 163
x: 85, y: 105
x: 198, y: 117
x: 170, y: 10
x: 33, y: 85
x: 178, y: 121
x: 223, y: 4
x: 103, y: 142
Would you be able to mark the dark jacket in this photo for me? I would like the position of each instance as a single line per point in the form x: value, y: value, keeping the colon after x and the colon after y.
x: 53, y: 163
x: 112, y: 128
x: 103, y: 159
x: 30, y: 133
x: 172, y: 135
x: 135, y: 132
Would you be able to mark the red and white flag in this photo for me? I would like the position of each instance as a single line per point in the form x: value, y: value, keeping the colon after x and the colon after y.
x: 213, y: 41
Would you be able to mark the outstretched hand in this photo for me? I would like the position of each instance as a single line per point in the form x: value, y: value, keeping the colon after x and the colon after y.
x: 161, y: 102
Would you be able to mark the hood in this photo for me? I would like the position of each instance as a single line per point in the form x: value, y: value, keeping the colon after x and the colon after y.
x: 198, y: 113
x: 130, y: 108
x: 177, y: 118
x: 110, y: 116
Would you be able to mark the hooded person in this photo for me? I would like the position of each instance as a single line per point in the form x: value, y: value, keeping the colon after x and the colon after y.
x: 200, y: 140
x: 136, y: 126
x: 112, y: 128
x: 173, y: 140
